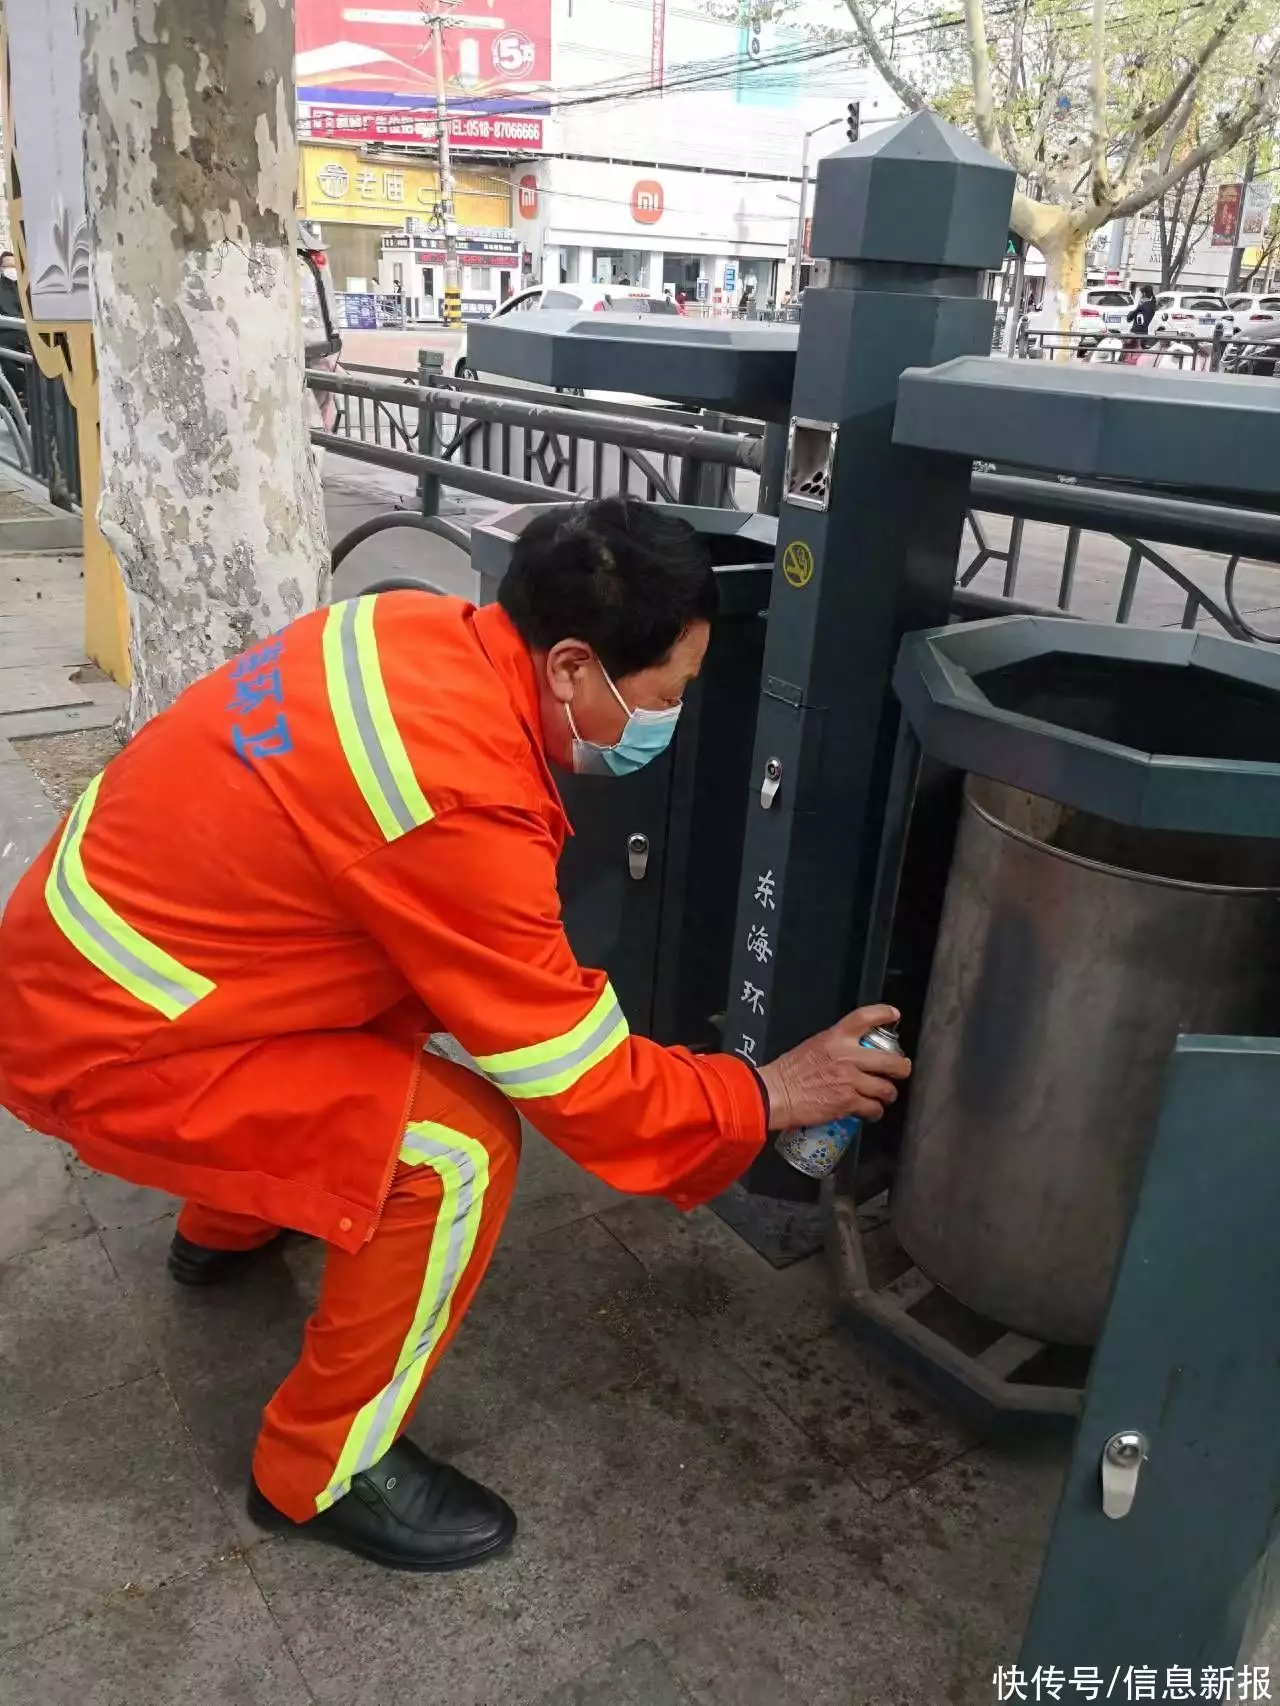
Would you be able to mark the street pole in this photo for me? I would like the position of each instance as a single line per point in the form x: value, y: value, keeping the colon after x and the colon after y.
x: 452, y: 277
x: 1115, y: 248
x: 1237, y: 253
x: 804, y: 196
x: 804, y: 187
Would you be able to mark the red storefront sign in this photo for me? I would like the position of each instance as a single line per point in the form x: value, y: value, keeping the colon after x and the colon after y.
x: 527, y: 196
x: 1226, y: 216
x: 501, y: 258
x: 513, y: 133
x: 384, y: 49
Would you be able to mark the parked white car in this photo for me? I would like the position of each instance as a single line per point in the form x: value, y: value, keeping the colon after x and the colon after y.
x: 1100, y: 309
x: 1255, y: 316
x: 1191, y: 314
x: 570, y: 298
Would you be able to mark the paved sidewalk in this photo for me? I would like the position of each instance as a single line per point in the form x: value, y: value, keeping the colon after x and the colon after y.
x: 723, y: 1500
x: 47, y: 684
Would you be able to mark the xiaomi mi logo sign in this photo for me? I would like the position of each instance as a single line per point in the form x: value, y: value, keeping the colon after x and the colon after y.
x: 528, y: 203
x: 646, y: 202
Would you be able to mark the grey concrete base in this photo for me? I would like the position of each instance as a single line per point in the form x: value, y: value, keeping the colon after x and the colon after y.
x: 29, y: 522
x: 60, y: 530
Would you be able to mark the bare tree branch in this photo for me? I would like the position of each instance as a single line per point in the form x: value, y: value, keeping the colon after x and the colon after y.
x: 1259, y: 105
x: 1099, y: 181
x: 1017, y: 63
x: 1265, y: 255
x: 901, y: 85
x: 984, y: 104
x: 1173, y: 133
x: 1175, y: 231
x: 1158, y: 115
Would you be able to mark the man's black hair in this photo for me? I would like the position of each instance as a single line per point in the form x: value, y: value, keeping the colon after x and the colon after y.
x: 624, y: 576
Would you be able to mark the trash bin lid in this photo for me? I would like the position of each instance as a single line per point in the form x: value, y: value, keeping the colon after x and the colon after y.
x: 744, y: 368
x: 1155, y: 728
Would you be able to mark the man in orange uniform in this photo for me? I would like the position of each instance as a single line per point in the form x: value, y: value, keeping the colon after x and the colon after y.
x: 218, y: 979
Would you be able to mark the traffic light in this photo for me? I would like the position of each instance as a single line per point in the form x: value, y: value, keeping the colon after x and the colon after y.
x: 855, y: 120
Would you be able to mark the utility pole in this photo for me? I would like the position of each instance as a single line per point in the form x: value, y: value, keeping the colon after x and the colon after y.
x: 452, y: 276
x: 804, y: 194
x: 1115, y: 248
x: 1237, y: 253
x: 804, y: 185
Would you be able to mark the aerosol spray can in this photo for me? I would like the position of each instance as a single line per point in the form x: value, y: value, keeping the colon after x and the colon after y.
x: 816, y: 1149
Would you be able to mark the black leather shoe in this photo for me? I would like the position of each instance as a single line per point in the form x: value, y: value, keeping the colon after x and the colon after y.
x: 195, y: 1264
x: 407, y: 1512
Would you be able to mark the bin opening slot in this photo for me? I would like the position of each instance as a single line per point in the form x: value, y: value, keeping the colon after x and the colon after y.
x: 1151, y: 707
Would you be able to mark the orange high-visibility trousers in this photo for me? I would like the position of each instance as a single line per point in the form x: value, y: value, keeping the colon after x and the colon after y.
x: 386, y: 1314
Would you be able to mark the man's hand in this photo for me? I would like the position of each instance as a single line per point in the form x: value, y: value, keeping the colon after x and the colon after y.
x: 832, y: 1074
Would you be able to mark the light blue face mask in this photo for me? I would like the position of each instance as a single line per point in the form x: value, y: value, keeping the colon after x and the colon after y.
x: 645, y: 736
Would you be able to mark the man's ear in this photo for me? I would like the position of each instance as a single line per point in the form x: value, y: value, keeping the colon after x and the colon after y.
x: 567, y: 662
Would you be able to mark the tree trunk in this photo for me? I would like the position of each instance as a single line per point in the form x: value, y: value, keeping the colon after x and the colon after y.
x: 1064, y: 278
x: 1061, y: 240
x: 210, y: 496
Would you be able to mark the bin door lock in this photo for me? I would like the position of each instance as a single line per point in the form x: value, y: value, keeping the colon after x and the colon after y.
x: 772, y: 782
x: 1122, y: 1457
x: 637, y: 856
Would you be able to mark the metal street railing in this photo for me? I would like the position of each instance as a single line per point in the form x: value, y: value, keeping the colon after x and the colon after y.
x: 518, y: 445
x: 1136, y: 520
x: 1189, y: 351
x: 37, y: 421
x: 512, y: 444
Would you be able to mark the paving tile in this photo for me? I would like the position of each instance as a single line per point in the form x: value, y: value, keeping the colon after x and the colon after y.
x: 538, y: 1337
x: 66, y: 1329
x: 779, y: 1325
x: 717, y: 1274
x: 637, y: 1676
x: 101, y: 1496
x: 624, y: 1505
x: 207, y: 1640
x: 851, y: 1402
x: 222, y: 1349
x: 114, y: 1202
x: 39, y: 1203
x: 551, y: 1191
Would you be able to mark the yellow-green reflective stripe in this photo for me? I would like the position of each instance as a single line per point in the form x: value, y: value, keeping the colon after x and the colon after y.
x: 366, y: 728
x: 462, y: 1165
x: 548, y: 1069
x: 105, y: 939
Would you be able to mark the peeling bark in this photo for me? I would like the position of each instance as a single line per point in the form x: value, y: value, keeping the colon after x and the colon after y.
x: 210, y: 497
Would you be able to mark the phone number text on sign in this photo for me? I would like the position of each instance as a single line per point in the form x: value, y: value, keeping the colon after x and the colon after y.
x: 1134, y: 1682
x: 466, y: 130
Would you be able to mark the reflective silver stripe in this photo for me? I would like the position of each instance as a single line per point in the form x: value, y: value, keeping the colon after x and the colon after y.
x: 114, y: 949
x: 517, y: 1075
x: 362, y: 712
x: 427, y: 1149
x: 462, y: 1165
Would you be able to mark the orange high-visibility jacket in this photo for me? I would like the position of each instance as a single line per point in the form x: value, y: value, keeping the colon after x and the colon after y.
x: 218, y: 976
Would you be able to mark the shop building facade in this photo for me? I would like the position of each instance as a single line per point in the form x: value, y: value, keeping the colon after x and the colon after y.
x: 379, y: 210
x: 709, y: 236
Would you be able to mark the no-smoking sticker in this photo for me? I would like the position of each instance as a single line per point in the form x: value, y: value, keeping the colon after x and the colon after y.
x: 797, y: 563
